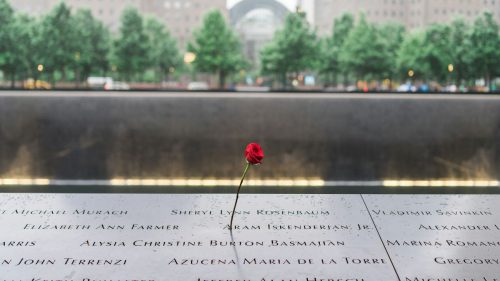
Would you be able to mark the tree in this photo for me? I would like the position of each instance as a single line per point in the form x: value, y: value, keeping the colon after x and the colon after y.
x: 20, y: 42
x: 27, y: 48
x: 341, y: 30
x: 485, y: 57
x: 7, y: 41
x: 330, y: 48
x: 427, y: 54
x: 6, y: 19
x: 293, y: 49
x: 273, y: 61
x: 363, y: 52
x: 437, y: 50
x: 164, y: 55
x: 131, y: 48
x: 329, y: 63
x: 391, y: 35
x: 217, y: 48
x: 59, y: 41
x: 460, y: 50
x: 93, y: 48
x: 411, y: 58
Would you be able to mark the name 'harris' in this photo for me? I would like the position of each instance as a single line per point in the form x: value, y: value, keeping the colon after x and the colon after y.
x: 17, y: 243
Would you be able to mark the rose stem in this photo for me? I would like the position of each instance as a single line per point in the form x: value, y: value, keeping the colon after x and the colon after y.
x: 238, y: 195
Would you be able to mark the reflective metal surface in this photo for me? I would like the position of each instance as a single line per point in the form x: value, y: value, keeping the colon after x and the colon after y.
x: 332, y: 137
x: 276, y: 237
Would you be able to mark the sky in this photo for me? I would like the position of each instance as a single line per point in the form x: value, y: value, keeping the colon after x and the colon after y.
x: 307, y: 5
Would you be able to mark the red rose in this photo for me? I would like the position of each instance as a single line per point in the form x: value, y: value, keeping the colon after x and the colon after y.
x: 254, y: 154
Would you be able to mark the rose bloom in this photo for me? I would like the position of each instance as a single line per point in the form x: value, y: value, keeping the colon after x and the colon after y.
x: 254, y: 153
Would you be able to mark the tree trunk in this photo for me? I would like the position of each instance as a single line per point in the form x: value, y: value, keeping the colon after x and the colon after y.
x: 458, y: 78
x: 13, y: 79
x: 77, y: 77
x: 52, y: 80
x: 222, y: 80
x: 157, y: 75
x: 35, y: 77
x: 345, y: 80
x: 63, y: 74
x: 488, y: 80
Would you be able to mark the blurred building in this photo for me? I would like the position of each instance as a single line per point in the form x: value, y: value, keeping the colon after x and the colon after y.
x: 412, y: 14
x: 180, y: 16
x: 256, y: 21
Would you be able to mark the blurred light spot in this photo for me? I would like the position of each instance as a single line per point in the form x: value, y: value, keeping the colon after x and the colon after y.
x: 24, y: 181
x: 439, y: 183
x: 189, y: 57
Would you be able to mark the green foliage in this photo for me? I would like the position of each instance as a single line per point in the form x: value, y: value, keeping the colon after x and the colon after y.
x: 7, y: 40
x: 391, y: 35
x: 164, y: 54
x: 428, y: 54
x: 76, y: 45
x: 131, y: 47
x: 6, y: 19
x: 437, y: 50
x: 330, y: 65
x: 293, y: 49
x: 19, y: 44
x: 485, y: 57
x: 411, y: 57
x: 93, y: 45
x: 28, y: 44
x: 460, y: 47
x: 273, y: 60
x: 341, y: 29
x: 59, y: 40
x: 363, y: 52
x: 217, y: 48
